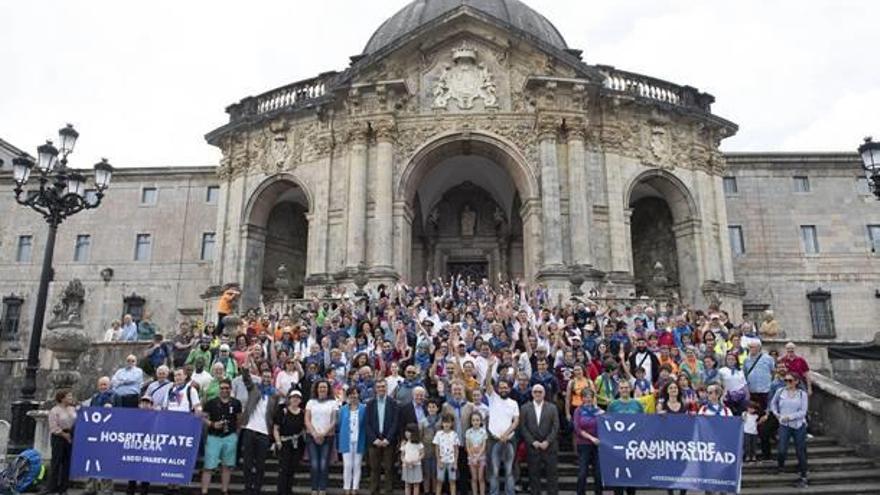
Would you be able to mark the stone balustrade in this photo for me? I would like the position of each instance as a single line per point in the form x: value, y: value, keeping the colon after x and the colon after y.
x: 630, y: 83
x: 848, y: 414
x: 298, y: 94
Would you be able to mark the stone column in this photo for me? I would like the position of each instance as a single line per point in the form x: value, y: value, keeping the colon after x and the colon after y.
x: 580, y: 205
x: 357, y: 197
x: 380, y: 240
x: 617, y: 228
x: 550, y: 209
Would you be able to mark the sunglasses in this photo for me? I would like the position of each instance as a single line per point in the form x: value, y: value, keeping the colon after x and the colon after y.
x: 790, y: 380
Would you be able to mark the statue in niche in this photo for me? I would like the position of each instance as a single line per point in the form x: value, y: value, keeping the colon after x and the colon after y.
x: 499, y: 218
x: 434, y: 217
x: 468, y: 221
x: 282, y: 279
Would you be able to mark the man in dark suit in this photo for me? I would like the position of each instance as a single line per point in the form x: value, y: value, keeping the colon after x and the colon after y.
x: 539, y: 427
x: 414, y: 411
x: 382, y: 434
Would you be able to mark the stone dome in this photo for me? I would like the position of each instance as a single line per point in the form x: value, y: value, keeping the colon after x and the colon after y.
x: 420, y: 12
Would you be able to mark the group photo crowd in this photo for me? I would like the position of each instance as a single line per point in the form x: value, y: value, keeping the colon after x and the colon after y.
x: 456, y: 387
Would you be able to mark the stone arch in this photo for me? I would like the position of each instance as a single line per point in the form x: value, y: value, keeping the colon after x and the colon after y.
x: 664, y: 223
x: 519, y: 202
x: 275, y: 232
x: 670, y: 187
x: 482, y: 143
x: 262, y: 199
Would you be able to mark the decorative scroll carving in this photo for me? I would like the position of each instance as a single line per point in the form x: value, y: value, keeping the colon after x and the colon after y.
x: 465, y: 81
x: 68, y: 311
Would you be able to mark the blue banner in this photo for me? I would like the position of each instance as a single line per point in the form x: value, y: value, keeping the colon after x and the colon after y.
x: 671, y: 451
x: 135, y: 444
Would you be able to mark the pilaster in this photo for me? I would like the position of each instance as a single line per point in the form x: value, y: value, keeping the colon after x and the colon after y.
x: 548, y: 130
x: 381, y: 240
x: 357, y: 197
x: 580, y: 208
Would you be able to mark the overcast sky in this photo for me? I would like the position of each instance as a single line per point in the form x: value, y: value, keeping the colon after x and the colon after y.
x: 144, y: 81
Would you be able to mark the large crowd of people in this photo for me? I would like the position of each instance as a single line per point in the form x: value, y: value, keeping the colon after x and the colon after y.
x: 454, y: 387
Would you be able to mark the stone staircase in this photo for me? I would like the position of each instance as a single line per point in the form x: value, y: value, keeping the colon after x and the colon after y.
x: 834, y: 469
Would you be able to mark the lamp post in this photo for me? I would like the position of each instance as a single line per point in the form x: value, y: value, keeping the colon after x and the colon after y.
x: 60, y: 194
x: 870, y: 153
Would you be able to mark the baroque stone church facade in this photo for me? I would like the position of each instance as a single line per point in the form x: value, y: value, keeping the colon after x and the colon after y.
x: 468, y: 137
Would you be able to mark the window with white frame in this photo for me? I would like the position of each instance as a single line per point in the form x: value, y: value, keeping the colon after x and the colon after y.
x: 25, y: 249
x: 149, y: 196
x: 730, y: 186
x: 83, y: 248
x: 143, y: 247
x: 737, y: 244
x: 208, y: 240
x: 809, y: 239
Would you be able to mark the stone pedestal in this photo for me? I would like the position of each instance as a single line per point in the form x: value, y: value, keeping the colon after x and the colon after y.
x: 4, y: 436
x: 42, y: 438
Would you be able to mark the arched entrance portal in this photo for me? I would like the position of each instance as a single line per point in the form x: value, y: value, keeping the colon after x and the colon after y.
x: 276, y: 241
x: 469, y: 197
x: 663, y: 229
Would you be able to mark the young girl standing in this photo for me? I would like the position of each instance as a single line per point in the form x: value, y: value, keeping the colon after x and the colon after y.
x: 475, y: 439
x: 411, y: 453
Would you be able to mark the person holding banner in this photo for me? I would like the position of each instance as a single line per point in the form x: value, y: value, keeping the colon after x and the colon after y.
x: 790, y: 406
x: 145, y: 402
x: 539, y: 427
x: 625, y: 404
x: 104, y: 397
x: 714, y: 406
x: 585, y: 420
x: 222, y: 416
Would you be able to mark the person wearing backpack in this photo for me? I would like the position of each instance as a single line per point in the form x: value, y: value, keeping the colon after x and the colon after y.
x: 182, y: 396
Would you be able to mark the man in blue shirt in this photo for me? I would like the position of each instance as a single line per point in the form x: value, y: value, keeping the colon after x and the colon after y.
x: 127, y: 382
x: 129, y: 332
x: 759, y: 368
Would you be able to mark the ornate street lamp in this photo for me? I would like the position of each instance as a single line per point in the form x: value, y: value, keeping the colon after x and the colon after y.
x: 60, y: 193
x: 870, y: 153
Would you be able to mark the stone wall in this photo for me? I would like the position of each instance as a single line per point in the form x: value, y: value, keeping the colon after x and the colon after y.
x: 170, y: 281
x: 775, y: 269
x: 845, y: 413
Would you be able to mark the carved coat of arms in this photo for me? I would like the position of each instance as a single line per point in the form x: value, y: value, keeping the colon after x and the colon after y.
x: 465, y: 81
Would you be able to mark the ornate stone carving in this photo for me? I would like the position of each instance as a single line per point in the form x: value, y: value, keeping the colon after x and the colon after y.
x: 658, y: 145
x: 68, y: 311
x: 548, y: 127
x: 468, y: 221
x: 385, y: 130
x: 465, y: 81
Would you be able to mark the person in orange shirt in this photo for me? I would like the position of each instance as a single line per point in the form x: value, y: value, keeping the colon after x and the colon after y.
x: 225, y: 306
